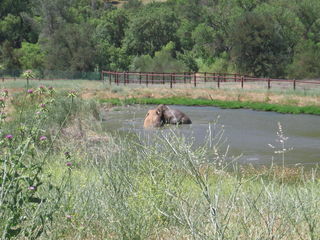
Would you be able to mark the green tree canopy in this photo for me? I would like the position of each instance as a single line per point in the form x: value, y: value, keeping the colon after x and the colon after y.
x: 150, y: 30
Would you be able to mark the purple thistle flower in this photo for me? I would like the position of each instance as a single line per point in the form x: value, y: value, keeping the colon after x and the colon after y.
x: 68, y: 217
x: 43, y: 138
x: 50, y: 88
x: 69, y: 164
x: 9, y: 136
x: 32, y: 188
x: 41, y: 87
x: 43, y: 105
x: 30, y: 91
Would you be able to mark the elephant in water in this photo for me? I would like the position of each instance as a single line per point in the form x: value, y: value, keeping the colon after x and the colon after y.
x: 153, y: 119
x: 172, y: 116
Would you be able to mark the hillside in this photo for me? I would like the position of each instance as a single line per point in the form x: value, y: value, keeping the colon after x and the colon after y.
x: 262, y: 38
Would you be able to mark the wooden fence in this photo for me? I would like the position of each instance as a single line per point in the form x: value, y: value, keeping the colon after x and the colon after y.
x: 195, y: 79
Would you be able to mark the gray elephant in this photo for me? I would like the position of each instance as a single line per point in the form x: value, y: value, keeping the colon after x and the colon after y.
x: 172, y: 116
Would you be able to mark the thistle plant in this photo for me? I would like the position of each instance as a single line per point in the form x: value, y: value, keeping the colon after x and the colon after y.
x: 27, y: 75
x: 28, y: 199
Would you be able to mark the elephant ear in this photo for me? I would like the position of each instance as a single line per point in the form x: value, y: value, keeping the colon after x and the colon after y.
x: 147, y: 114
x: 158, y: 112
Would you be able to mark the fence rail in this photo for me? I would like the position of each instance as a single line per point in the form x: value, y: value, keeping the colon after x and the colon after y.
x: 195, y: 79
x: 170, y: 79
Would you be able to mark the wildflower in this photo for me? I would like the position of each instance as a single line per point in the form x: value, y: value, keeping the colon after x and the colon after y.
x: 9, y: 136
x: 28, y: 74
x: 30, y: 91
x: 38, y: 113
x: 72, y: 94
x: 42, y: 89
x: 67, y: 154
x: 32, y: 188
x: 43, y: 138
x: 5, y: 93
x: 68, y: 217
x: 69, y: 164
x: 43, y: 105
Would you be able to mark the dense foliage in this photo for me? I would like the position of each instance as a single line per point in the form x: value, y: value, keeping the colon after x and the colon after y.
x: 274, y: 38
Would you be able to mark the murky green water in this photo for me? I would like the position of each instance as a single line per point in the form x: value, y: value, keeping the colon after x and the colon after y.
x: 247, y: 132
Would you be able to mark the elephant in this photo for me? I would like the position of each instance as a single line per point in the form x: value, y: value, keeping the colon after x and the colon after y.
x: 153, y: 119
x: 172, y: 116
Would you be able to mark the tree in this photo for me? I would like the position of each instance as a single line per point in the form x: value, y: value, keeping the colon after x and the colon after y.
x: 163, y: 61
x: 204, y: 38
x: 308, y: 13
x: 112, y: 27
x: 71, y: 47
x: 259, y: 46
x: 31, y: 56
x: 306, y: 61
x: 15, y: 26
x: 150, y: 30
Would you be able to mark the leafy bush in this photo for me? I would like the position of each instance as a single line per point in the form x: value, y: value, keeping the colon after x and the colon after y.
x: 163, y: 61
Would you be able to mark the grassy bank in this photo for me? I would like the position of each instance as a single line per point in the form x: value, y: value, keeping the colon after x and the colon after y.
x: 81, y: 182
x: 261, y: 106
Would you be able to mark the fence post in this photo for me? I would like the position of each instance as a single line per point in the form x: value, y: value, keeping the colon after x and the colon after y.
x: 171, y: 80
x: 117, y: 77
x: 294, y: 84
x: 205, y: 76
x: 2, y: 79
x: 152, y: 73
x: 127, y: 77
x: 242, y: 80
x: 269, y: 83
x: 147, y: 76
x: 139, y: 77
x: 163, y: 78
x: 184, y: 77
x: 195, y: 79
x: 109, y: 78
x: 218, y: 82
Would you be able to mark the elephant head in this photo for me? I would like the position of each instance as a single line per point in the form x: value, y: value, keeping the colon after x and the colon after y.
x: 153, y: 119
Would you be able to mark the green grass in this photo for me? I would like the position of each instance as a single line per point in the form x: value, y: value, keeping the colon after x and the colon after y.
x: 64, y: 84
x: 218, y: 103
x: 124, y: 186
x: 131, y: 189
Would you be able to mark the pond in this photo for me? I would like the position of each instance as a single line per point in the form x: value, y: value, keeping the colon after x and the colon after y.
x: 249, y: 134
